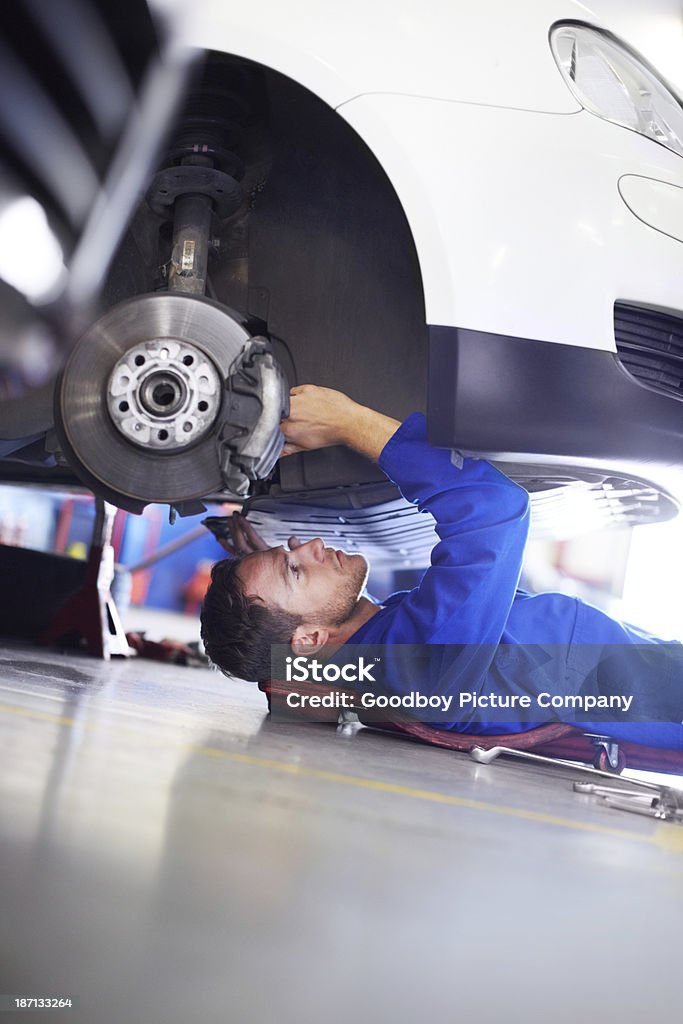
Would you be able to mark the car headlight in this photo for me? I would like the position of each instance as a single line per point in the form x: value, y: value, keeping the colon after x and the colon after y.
x: 610, y: 80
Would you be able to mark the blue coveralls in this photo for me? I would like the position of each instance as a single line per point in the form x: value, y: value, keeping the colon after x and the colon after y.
x: 512, y: 642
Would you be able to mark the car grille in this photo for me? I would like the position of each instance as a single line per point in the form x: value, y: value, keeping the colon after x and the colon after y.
x: 650, y: 347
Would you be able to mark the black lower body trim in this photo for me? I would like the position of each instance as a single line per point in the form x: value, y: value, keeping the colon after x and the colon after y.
x: 506, y: 397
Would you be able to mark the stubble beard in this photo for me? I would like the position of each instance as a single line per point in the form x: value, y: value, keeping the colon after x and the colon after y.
x: 349, y: 591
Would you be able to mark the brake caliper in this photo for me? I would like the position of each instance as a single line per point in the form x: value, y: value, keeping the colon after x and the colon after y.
x: 256, y: 400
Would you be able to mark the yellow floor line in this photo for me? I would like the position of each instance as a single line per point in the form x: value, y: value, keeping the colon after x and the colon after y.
x: 666, y: 835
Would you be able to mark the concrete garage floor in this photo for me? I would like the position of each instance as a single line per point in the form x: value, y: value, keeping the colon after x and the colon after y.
x: 170, y: 855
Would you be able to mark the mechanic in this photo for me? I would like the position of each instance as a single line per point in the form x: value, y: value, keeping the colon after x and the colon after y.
x: 497, y: 639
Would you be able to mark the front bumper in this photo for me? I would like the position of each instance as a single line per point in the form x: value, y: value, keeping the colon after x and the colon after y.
x: 514, y: 399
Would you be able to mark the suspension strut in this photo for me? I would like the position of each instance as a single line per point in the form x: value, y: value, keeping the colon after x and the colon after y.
x: 201, y: 180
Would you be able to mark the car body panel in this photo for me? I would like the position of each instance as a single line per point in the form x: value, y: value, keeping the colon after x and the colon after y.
x: 517, y: 217
x: 466, y: 111
x: 657, y: 203
x: 433, y: 48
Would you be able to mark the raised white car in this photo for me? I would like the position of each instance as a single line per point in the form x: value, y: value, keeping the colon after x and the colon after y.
x: 473, y: 209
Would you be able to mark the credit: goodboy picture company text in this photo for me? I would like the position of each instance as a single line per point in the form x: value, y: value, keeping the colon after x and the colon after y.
x: 306, y: 670
x: 414, y: 700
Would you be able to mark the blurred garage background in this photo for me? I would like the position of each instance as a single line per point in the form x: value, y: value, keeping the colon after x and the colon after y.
x: 617, y: 570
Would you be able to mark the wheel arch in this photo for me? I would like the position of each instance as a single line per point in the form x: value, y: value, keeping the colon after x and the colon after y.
x: 321, y: 82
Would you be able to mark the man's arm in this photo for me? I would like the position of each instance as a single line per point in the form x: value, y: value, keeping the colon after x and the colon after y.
x: 320, y: 417
x: 481, y: 519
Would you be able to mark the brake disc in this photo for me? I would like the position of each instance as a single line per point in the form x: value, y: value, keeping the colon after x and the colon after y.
x: 140, y: 399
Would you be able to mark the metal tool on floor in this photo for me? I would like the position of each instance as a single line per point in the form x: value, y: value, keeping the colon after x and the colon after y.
x: 486, y: 756
x: 608, y: 759
x: 665, y: 804
x: 634, y: 795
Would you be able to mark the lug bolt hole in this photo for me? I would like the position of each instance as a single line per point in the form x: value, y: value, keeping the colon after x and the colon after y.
x: 202, y: 406
x: 124, y: 407
x: 139, y: 360
x: 163, y: 435
x: 188, y: 360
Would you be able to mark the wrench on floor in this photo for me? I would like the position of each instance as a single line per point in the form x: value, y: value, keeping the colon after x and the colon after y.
x: 631, y: 795
x: 666, y: 805
x: 483, y: 756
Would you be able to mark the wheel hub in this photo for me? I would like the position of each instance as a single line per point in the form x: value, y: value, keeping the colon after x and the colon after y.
x: 157, y: 363
x: 169, y: 398
x: 163, y: 394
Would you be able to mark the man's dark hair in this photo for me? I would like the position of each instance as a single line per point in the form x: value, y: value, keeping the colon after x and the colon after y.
x: 238, y: 630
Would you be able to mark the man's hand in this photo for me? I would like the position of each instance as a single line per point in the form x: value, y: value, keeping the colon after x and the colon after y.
x: 244, y: 539
x: 320, y: 417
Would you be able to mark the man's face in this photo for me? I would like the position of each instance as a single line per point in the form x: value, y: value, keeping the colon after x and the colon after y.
x: 322, y: 585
